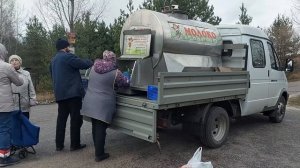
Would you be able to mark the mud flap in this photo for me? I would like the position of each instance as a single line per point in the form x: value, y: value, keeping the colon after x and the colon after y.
x: 136, y: 121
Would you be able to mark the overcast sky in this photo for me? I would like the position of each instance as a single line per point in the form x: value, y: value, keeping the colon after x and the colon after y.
x: 263, y: 11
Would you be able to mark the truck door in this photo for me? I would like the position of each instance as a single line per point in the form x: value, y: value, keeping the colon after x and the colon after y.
x: 257, y: 98
x: 276, y: 76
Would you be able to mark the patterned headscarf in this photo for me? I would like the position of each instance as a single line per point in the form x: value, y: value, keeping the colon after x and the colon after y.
x: 107, y: 64
x: 109, y: 56
x: 3, y: 52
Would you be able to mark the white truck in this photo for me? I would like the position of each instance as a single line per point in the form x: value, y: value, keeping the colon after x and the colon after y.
x: 204, y: 75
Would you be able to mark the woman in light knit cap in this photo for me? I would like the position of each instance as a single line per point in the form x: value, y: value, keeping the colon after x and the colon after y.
x: 8, y: 75
x: 27, y: 92
x: 99, y: 102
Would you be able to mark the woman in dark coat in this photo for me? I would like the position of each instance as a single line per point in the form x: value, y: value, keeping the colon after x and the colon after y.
x: 100, y: 100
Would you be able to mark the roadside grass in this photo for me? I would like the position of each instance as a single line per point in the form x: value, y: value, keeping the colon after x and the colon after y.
x: 293, y: 76
x: 45, y: 97
x: 294, y: 101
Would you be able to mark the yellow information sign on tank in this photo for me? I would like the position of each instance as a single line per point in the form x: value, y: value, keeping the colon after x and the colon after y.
x: 137, y: 45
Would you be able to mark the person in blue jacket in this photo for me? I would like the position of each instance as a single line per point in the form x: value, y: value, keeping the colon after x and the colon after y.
x: 68, y: 91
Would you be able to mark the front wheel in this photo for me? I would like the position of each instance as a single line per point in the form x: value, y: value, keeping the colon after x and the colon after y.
x: 216, y: 127
x: 278, y: 114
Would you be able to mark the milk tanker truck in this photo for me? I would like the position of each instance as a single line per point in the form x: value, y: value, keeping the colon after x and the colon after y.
x: 195, y: 74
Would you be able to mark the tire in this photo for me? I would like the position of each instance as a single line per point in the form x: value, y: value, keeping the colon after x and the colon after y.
x: 215, y: 130
x: 278, y: 114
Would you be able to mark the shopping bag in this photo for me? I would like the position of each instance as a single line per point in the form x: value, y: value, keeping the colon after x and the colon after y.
x: 195, y: 161
x: 24, y: 133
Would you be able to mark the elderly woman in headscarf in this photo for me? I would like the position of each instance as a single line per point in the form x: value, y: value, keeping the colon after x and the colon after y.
x: 8, y: 75
x: 27, y: 92
x: 99, y: 103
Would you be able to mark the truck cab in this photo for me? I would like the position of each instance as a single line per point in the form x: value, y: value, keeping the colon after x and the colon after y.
x: 268, y: 83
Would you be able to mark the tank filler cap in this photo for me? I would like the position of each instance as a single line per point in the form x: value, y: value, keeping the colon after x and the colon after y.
x: 174, y: 11
x: 175, y: 7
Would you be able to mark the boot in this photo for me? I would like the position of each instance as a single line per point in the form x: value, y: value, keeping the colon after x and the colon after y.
x: 102, y: 157
x: 4, y: 153
x: 81, y: 146
x: 8, y: 161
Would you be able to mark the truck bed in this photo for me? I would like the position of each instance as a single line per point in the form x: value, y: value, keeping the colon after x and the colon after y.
x: 136, y: 115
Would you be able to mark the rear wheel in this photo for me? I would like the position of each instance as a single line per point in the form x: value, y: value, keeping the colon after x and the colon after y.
x: 216, y: 127
x: 278, y: 114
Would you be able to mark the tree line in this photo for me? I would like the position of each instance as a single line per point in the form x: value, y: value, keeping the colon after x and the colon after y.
x: 93, y: 36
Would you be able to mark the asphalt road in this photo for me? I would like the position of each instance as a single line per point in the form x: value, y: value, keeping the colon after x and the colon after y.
x: 253, y: 142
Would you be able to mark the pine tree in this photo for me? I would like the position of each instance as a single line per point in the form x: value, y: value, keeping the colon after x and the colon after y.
x: 244, y: 18
x: 284, y: 38
x: 195, y: 9
x: 92, y: 37
x: 37, y: 52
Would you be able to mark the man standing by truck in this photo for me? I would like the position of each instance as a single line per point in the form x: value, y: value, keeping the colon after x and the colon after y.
x: 68, y: 92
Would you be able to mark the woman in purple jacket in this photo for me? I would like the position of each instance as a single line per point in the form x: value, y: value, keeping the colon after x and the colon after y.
x: 100, y: 100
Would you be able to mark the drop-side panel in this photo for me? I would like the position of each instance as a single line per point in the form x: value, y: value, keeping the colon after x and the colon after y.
x: 194, y: 86
x: 136, y: 121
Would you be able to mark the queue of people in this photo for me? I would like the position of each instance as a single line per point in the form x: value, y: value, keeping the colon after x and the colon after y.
x: 8, y: 76
x: 17, y: 93
x: 98, y: 103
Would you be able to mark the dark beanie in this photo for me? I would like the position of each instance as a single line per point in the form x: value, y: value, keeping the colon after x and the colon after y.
x: 61, y: 44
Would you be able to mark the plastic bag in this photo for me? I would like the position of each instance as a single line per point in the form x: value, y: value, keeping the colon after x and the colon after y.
x: 195, y: 161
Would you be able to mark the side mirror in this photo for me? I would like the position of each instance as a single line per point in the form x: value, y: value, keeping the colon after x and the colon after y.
x: 289, y: 65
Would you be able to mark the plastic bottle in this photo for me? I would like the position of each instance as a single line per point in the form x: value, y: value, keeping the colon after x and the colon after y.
x: 129, y: 73
x: 126, y: 73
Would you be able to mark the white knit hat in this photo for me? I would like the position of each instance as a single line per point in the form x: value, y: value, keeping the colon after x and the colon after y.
x: 16, y: 57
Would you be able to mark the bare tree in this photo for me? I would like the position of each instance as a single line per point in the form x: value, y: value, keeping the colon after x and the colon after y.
x: 6, y: 19
x: 286, y: 41
x: 10, y: 18
x: 67, y: 12
x: 295, y: 11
